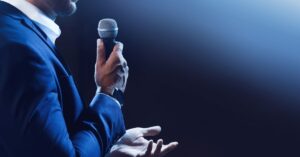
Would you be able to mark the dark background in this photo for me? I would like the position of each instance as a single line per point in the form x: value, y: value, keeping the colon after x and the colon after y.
x: 221, y: 77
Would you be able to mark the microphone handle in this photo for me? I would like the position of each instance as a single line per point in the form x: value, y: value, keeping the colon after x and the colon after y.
x: 109, y: 45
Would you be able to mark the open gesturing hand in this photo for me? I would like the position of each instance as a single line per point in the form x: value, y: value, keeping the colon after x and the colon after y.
x: 134, y: 144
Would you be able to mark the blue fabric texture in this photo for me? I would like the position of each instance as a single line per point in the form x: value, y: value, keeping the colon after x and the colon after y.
x: 41, y: 112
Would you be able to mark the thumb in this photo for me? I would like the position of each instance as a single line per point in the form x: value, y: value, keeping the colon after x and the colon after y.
x: 151, y: 131
x: 101, y: 57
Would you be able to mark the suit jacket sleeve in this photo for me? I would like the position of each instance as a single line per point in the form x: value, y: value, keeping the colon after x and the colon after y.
x: 32, y: 118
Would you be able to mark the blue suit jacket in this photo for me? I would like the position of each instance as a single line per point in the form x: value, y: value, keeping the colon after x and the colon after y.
x: 41, y: 113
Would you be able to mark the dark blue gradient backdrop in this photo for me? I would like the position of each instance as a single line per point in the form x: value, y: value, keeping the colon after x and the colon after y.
x: 221, y: 76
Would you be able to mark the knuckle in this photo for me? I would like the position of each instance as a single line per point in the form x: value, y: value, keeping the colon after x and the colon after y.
x: 119, y: 47
x: 100, y: 47
x: 120, y: 44
x: 119, y: 67
x: 117, y: 59
x: 124, y: 62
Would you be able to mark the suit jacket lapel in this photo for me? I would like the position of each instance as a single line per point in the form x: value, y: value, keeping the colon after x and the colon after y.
x: 31, y: 25
x: 15, y: 13
x: 35, y: 28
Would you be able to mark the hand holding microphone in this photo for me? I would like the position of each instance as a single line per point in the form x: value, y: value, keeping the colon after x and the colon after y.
x: 111, y: 70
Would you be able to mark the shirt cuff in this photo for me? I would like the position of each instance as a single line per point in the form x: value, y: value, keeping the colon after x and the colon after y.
x: 106, y: 95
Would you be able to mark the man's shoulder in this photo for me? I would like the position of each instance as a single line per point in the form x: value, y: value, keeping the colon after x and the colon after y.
x: 12, y: 30
x: 16, y: 39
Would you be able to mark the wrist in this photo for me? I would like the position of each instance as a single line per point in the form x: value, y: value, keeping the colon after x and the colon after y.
x: 108, y: 91
x: 114, y: 93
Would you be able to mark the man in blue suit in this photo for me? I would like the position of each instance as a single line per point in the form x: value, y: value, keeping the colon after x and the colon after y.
x: 41, y: 113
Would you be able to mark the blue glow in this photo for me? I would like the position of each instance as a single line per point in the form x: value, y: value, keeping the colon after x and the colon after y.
x: 256, y: 42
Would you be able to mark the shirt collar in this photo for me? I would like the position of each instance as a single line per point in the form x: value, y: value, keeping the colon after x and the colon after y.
x: 47, y: 25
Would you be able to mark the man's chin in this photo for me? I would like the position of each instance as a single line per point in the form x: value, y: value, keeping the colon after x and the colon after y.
x: 69, y: 10
x: 73, y: 8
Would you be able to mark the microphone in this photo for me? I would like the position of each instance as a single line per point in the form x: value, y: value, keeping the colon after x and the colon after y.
x: 108, y: 31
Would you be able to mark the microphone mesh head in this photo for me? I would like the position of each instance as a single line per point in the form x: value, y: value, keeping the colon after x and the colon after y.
x: 108, y: 28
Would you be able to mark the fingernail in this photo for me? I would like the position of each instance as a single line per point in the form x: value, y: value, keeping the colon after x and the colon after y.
x: 99, y: 41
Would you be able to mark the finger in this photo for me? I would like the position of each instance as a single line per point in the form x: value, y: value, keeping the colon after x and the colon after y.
x: 116, y: 54
x: 124, y: 63
x: 101, y: 57
x: 158, y: 148
x: 149, y: 148
x: 120, y: 66
x: 118, y: 47
x: 116, y: 58
x: 151, y: 131
x: 127, y: 69
x: 168, y: 148
x: 121, y: 75
x: 125, y: 78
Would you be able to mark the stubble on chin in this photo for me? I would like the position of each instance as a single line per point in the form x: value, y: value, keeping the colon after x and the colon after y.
x: 73, y: 8
x: 66, y: 9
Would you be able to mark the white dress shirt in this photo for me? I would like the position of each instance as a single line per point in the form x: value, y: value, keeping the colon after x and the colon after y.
x: 51, y: 29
